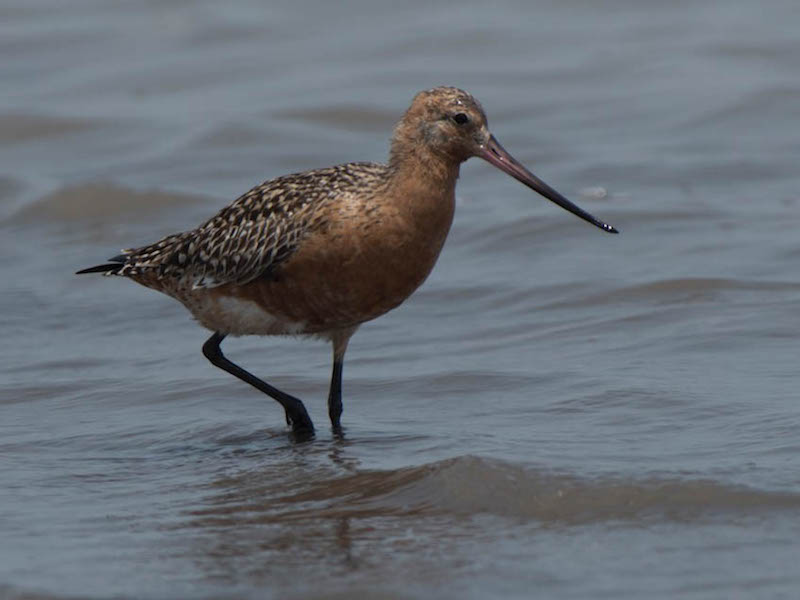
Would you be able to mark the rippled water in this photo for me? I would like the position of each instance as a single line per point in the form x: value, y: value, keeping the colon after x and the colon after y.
x: 556, y: 412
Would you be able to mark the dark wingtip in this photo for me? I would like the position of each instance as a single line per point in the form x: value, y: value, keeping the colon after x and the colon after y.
x: 116, y: 262
x: 100, y: 269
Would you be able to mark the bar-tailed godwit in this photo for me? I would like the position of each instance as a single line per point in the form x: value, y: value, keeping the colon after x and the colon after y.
x: 319, y: 253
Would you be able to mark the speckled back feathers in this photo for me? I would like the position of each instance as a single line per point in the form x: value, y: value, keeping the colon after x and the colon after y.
x: 254, y: 234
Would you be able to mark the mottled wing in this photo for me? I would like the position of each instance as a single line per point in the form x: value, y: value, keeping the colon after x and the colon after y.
x: 251, y: 236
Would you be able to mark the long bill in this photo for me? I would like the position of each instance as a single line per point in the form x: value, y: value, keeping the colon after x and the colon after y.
x: 495, y: 154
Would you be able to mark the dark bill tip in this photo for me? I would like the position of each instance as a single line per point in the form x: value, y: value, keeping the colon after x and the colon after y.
x: 498, y: 156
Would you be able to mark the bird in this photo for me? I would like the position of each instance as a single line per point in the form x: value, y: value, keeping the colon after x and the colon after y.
x: 320, y: 252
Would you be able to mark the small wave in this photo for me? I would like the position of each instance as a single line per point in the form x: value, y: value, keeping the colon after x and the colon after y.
x: 96, y: 202
x: 470, y: 485
x: 16, y: 128
x: 10, y: 593
x: 676, y: 291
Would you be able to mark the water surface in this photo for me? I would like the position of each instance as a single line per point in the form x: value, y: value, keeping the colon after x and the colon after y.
x: 557, y: 412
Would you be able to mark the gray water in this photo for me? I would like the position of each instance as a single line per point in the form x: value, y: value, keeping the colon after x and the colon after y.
x: 556, y: 413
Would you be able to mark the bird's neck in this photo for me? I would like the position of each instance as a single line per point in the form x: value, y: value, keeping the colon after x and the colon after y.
x: 417, y: 167
x: 423, y: 190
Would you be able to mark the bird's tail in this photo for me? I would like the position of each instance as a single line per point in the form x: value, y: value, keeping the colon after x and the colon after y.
x: 110, y: 268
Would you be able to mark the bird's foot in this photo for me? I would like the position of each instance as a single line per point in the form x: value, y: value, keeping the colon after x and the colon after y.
x: 335, y: 414
x: 297, y: 418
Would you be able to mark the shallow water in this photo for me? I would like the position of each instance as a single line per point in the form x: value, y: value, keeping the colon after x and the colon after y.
x: 556, y: 412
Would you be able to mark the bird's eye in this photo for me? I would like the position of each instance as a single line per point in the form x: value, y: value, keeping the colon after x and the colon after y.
x: 460, y: 118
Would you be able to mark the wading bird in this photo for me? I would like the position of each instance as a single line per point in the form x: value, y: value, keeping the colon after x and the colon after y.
x: 320, y: 252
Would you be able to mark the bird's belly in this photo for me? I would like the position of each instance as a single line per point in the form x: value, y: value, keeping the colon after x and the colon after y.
x: 351, y: 272
x: 334, y: 298
x: 237, y: 315
x: 327, y: 290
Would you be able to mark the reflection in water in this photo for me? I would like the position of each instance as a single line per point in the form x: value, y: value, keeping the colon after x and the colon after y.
x: 312, y: 508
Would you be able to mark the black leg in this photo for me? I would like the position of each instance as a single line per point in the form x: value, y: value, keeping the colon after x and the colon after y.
x: 335, y: 395
x: 296, y: 414
x: 340, y: 339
